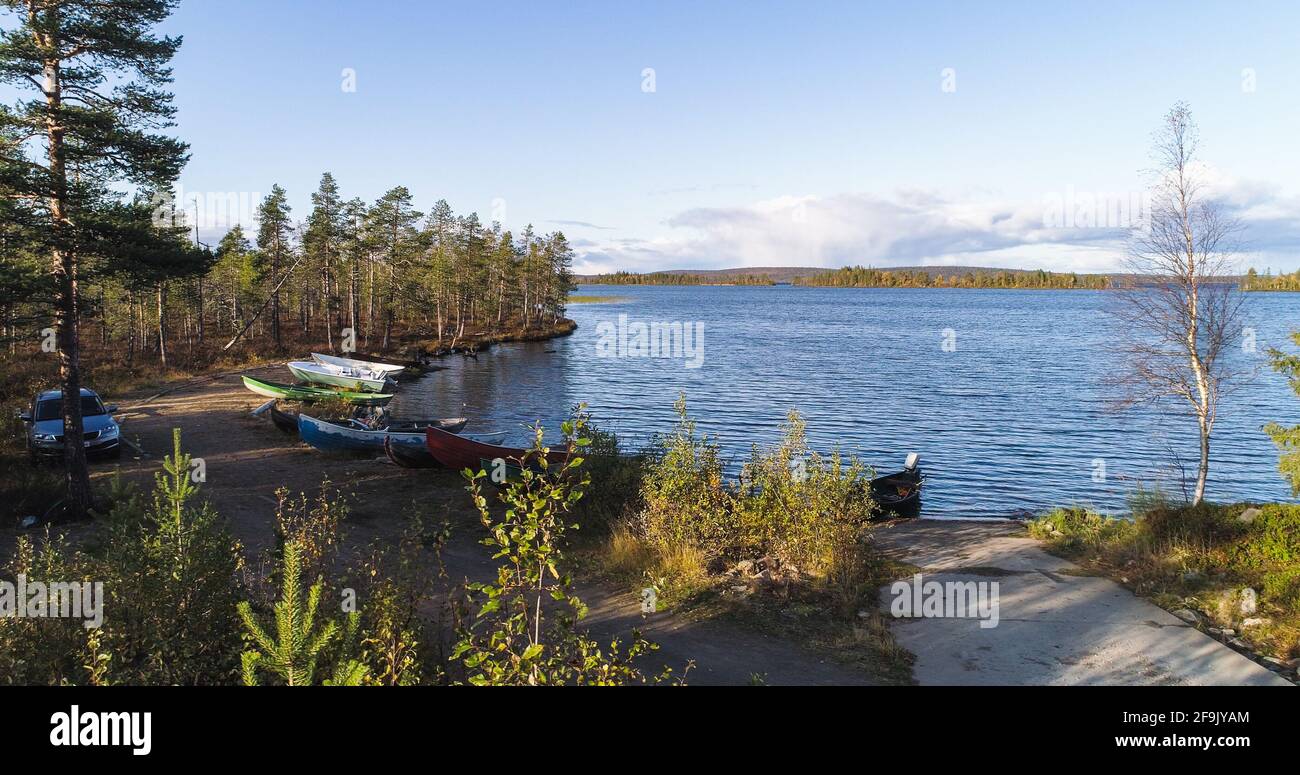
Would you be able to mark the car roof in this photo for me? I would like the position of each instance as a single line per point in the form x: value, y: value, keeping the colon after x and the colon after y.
x: 48, y: 394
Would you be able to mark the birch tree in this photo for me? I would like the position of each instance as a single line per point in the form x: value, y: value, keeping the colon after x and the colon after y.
x: 1181, y: 309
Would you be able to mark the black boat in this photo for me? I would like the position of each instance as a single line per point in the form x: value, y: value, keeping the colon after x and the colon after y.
x: 408, y: 457
x: 899, y: 495
x: 285, y: 421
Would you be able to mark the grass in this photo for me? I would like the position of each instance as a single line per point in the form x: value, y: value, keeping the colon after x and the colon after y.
x: 1199, y: 558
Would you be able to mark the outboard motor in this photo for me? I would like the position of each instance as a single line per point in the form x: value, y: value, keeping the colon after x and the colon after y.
x: 912, y: 460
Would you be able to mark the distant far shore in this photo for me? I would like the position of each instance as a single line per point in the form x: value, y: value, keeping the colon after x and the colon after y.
x: 861, y: 277
x: 910, y: 277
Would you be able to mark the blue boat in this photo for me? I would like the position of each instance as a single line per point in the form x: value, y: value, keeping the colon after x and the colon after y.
x: 355, y: 437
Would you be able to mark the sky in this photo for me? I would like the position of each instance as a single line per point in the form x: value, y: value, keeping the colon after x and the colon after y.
x: 717, y: 134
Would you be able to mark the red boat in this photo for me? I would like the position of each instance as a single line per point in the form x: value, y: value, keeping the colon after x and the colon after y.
x: 459, y: 452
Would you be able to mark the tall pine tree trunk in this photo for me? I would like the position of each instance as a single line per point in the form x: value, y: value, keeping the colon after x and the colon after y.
x: 162, y: 326
x: 63, y: 266
x: 275, y: 298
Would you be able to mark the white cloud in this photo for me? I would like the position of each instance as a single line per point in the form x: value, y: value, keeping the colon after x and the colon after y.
x: 924, y: 227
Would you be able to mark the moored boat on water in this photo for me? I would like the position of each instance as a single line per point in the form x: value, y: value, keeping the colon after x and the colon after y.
x: 309, y: 394
x: 389, y: 369
x: 899, y: 494
x: 361, y: 380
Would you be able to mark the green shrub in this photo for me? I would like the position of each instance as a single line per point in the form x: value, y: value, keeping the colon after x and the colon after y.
x: 172, y: 577
x: 523, y: 627
x: 799, y: 506
x: 616, y: 479
x: 46, y: 651
x: 1274, y: 536
x: 805, y: 512
x: 685, y: 500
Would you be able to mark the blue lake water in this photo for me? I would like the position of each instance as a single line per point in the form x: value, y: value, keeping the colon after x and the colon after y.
x: 1014, y: 416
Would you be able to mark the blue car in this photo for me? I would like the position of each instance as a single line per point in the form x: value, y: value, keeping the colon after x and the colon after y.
x: 102, y: 435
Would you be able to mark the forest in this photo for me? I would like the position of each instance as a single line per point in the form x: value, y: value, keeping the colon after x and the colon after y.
x: 864, y: 277
x: 676, y: 278
x: 380, y: 270
x: 1254, y: 281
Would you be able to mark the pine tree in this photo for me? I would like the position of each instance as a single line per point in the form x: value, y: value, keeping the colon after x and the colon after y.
x: 395, y: 241
x: 293, y: 653
x: 239, y: 272
x: 354, y: 249
x: 97, y: 72
x: 273, y: 240
x: 322, y: 243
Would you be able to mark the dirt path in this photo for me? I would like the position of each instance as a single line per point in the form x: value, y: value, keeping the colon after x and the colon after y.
x: 247, y: 460
x: 1055, y: 627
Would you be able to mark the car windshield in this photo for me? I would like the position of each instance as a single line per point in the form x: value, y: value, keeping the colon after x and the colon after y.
x: 52, y: 408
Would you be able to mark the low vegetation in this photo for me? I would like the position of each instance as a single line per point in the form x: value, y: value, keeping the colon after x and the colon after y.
x: 183, y: 605
x: 1237, y: 566
x: 790, y: 533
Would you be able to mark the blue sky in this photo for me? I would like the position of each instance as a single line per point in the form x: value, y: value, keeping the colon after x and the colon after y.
x: 776, y: 133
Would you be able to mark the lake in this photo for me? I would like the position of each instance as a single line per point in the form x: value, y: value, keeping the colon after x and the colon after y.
x: 1001, y: 392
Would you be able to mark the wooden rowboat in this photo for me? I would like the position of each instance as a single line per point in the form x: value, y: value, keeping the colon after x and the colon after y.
x: 360, y: 380
x: 309, y: 394
x: 339, y: 437
x: 389, y: 369
x: 460, y: 452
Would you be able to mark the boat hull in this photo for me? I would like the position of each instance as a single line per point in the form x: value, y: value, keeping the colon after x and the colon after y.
x: 319, y: 374
x: 898, y: 495
x: 389, y: 369
x: 285, y: 421
x: 409, y: 457
x: 333, y: 437
x: 459, y: 452
x: 308, y: 394
x: 506, y: 471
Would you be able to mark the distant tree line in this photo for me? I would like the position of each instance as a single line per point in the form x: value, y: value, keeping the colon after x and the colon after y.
x: 677, y: 278
x: 1254, y: 281
x: 865, y: 277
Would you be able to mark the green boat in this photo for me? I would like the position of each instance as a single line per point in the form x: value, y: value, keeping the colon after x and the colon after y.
x: 308, y: 394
